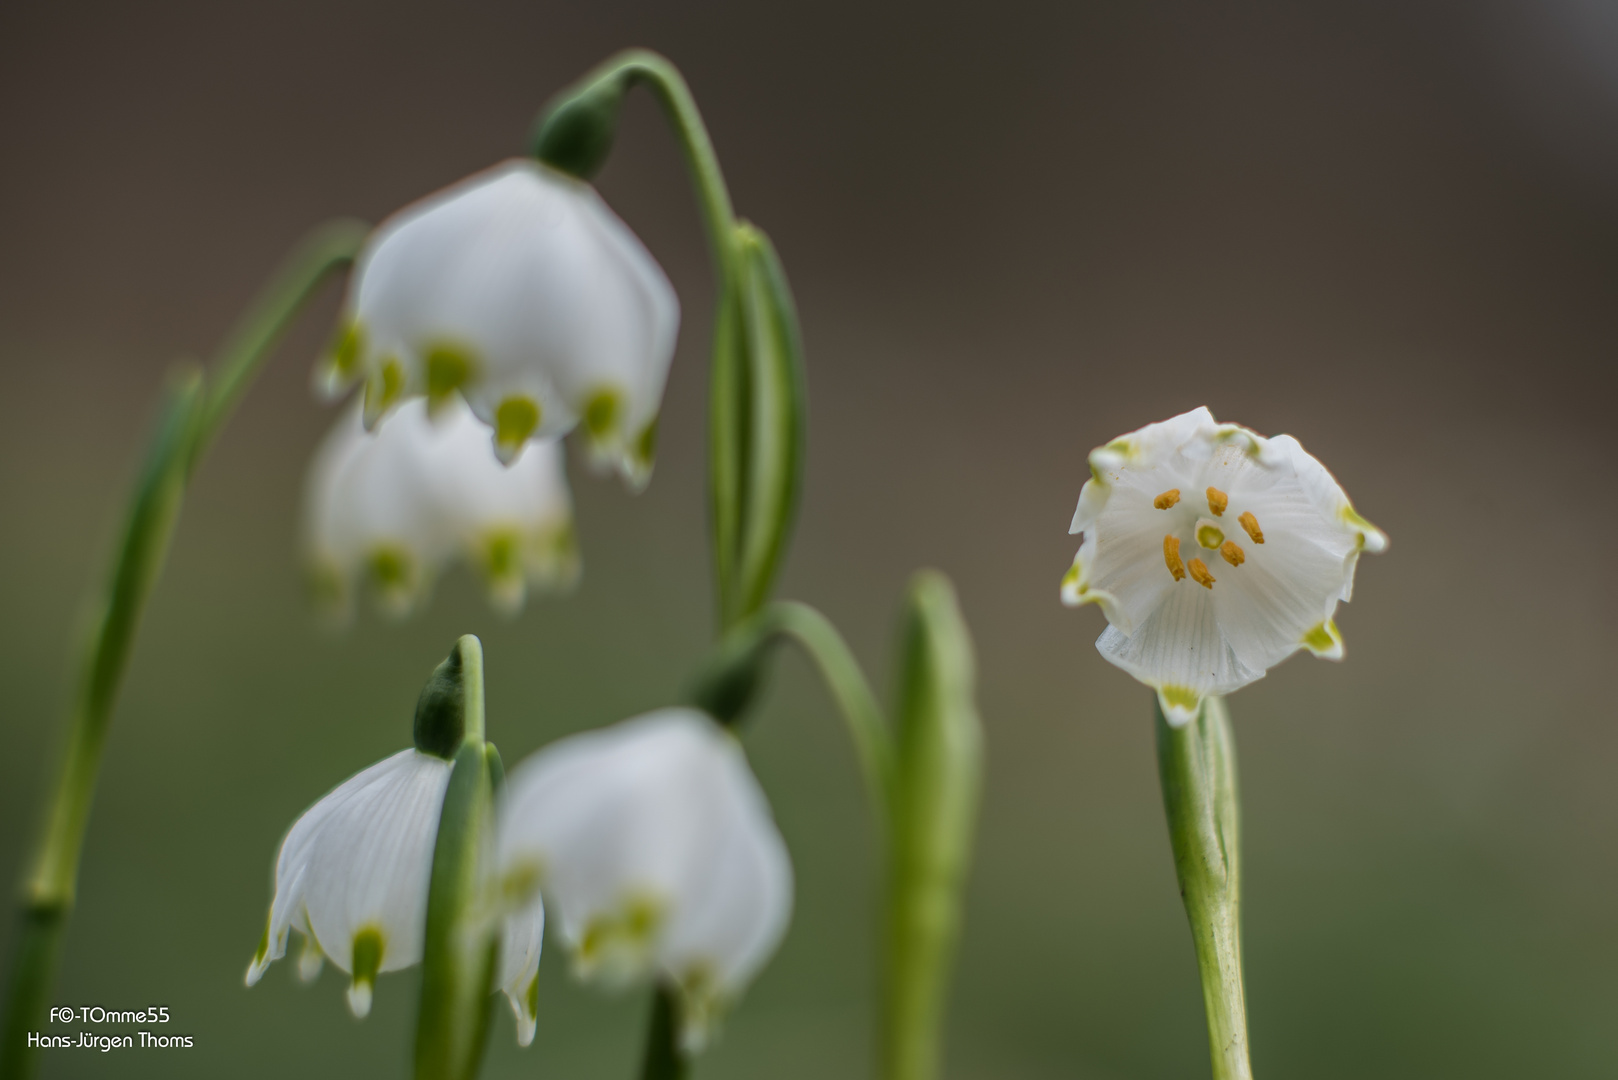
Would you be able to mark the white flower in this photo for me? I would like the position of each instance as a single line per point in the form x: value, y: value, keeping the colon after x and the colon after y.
x: 352, y: 878
x: 394, y: 505
x: 1215, y: 553
x: 521, y: 289
x: 352, y: 874
x: 655, y: 848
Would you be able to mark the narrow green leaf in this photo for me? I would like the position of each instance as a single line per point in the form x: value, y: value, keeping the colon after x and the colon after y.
x: 775, y: 404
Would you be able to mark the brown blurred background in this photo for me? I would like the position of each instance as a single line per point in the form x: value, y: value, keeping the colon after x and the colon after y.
x: 1015, y: 231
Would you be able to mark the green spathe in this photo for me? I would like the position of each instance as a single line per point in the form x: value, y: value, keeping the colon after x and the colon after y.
x: 441, y: 709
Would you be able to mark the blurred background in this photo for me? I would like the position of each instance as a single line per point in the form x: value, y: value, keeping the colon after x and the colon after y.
x: 1015, y: 231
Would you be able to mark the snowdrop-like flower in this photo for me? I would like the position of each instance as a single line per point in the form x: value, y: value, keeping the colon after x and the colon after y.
x: 655, y: 848
x: 394, y: 505
x: 352, y: 878
x: 519, y: 288
x: 352, y: 875
x: 1215, y: 553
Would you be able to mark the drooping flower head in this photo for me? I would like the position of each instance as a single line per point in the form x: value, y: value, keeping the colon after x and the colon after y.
x: 391, y: 507
x: 1215, y: 554
x: 352, y: 875
x: 521, y: 290
x: 655, y: 848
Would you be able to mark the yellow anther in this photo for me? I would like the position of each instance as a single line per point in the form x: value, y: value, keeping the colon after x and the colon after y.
x: 1199, y: 573
x: 1250, y: 523
x: 1171, y: 556
x: 1234, y: 555
x: 1167, y: 499
x: 1217, y: 501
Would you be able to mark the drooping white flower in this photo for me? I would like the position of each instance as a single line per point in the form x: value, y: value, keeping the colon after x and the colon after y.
x: 353, y: 872
x: 656, y: 850
x: 391, y: 507
x: 519, y: 288
x: 1215, y: 553
x: 352, y: 878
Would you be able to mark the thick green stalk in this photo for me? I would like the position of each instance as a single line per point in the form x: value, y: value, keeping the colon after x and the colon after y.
x: 937, y: 775
x: 1197, y: 765
x: 461, y: 945
x: 191, y: 416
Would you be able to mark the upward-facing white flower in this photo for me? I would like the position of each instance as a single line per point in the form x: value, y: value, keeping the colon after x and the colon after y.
x: 394, y: 505
x: 520, y: 289
x: 657, y: 853
x: 1215, y: 553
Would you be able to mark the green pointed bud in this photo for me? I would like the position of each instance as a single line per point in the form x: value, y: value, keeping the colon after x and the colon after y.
x: 575, y: 133
x: 441, y: 709
x: 937, y: 773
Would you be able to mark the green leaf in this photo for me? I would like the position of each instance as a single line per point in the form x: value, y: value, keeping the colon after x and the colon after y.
x: 774, y: 401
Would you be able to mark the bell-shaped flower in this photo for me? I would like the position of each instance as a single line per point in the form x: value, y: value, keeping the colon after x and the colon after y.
x: 352, y: 878
x: 352, y: 874
x: 1215, y: 553
x: 656, y: 851
x: 520, y: 289
x: 391, y: 507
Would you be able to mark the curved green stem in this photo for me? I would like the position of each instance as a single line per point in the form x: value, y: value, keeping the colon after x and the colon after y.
x: 325, y: 250
x: 1197, y: 765
x: 726, y: 686
x: 191, y: 416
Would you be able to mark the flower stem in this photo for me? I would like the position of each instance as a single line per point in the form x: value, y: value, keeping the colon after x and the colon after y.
x: 1197, y: 765
x: 460, y: 948
x: 726, y: 685
x: 663, y: 1059
x: 189, y: 419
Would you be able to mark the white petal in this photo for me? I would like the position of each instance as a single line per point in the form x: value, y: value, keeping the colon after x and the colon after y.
x: 370, y: 859
x: 521, y: 939
x: 1180, y: 645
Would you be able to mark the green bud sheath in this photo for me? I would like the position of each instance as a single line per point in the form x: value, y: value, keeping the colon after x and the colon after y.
x: 441, y: 709
x: 937, y: 771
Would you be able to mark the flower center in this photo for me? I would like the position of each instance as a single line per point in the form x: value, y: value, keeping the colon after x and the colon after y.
x: 1208, y: 536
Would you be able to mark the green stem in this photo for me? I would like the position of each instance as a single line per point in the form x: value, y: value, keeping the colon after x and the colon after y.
x: 189, y: 420
x: 460, y: 949
x: 1197, y: 765
x: 330, y: 247
x: 726, y: 686
x: 663, y: 1059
